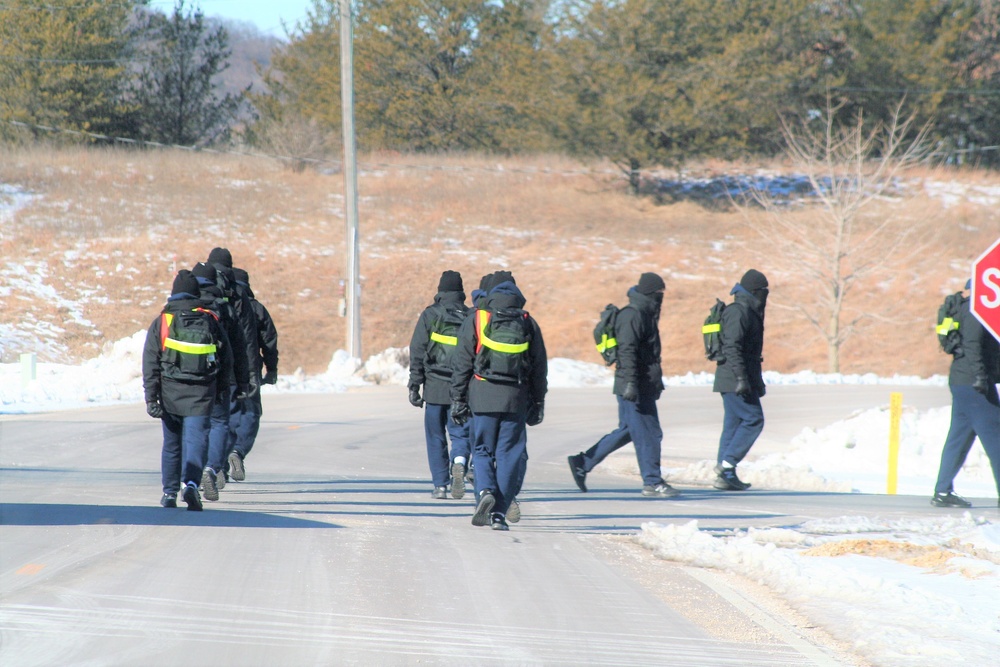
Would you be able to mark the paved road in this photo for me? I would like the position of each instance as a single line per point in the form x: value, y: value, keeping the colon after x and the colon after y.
x: 333, y: 553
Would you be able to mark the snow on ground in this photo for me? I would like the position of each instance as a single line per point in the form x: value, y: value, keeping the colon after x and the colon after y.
x: 913, y: 592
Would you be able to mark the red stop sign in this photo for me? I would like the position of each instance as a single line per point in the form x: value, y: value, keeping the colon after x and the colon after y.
x: 986, y: 289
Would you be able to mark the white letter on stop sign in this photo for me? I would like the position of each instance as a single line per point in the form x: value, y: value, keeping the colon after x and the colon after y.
x: 991, y: 279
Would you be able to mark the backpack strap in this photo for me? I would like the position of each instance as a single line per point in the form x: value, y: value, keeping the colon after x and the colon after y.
x: 165, y: 320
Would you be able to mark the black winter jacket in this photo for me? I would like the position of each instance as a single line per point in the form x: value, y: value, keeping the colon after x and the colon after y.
x: 243, y: 305
x: 267, y: 334
x: 742, y: 336
x: 637, y: 330
x: 184, y: 399
x: 211, y: 298
x: 485, y: 396
x: 980, y: 351
x: 436, y: 380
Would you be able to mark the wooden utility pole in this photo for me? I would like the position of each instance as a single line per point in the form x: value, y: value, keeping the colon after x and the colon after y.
x: 353, y: 291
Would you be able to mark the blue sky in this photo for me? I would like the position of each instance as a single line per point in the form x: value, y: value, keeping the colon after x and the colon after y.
x: 266, y: 14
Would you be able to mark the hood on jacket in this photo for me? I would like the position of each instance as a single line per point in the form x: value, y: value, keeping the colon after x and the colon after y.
x: 450, y: 297
x: 741, y: 292
x: 505, y: 295
x: 645, y: 302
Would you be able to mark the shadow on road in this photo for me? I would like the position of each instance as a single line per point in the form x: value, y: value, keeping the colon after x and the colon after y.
x: 29, y: 514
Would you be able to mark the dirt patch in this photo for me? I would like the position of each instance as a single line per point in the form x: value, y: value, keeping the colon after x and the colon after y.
x: 930, y: 557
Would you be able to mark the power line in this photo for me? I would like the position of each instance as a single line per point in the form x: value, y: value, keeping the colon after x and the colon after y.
x: 919, y: 91
x: 371, y: 166
x: 539, y: 171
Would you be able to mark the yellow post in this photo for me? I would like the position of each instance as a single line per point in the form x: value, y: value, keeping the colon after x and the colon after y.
x: 895, y: 414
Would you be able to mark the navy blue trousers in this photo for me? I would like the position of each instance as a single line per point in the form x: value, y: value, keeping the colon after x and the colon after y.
x: 500, y: 455
x: 185, y: 446
x: 237, y: 410
x: 438, y: 429
x: 248, y: 425
x: 638, y: 422
x: 972, y: 414
x: 742, y: 424
x: 218, y: 437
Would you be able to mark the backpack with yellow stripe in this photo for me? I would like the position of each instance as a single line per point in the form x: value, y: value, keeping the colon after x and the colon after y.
x: 711, y: 332
x: 503, y: 337
x: 948, y: 333
x: 188, y: 347
x: 443, y: 339
x: 604, y: 334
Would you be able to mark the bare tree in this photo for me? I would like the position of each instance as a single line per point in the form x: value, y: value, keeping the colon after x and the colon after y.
x: 848, y: 167
x: 296, y: 141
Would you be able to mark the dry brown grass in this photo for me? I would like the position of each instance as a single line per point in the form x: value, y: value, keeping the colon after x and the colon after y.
x: 111, y: 227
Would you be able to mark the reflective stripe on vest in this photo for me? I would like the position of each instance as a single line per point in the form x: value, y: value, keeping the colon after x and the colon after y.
x: 711, y: 328
x: 606, y: 343
x: 444, y: 340
x: 484, y: 341
x: 946, y: 326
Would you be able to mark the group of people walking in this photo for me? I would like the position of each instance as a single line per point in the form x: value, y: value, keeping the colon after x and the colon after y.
x: 480, y: 375
x: 483, y: 371
x: 488, y: 364
x: 205, y: 357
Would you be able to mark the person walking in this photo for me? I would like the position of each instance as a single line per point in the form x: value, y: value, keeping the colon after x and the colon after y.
x: 229, y: 384
x: 637, y: 386
x: 432, y: 346
x: 739, y: 377
x: 222, y: 260
x: 499, y: 381
x: 184, y: 356
x: 975, y: 407
x: 265, y: 342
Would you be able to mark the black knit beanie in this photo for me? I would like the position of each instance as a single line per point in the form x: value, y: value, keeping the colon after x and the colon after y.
x: 650, y: 283
x: 241, y: 276
x: 503, y: 277
x: 753, y: 280
x: 451, y: 281
x: 221, y: 256
x: 185, y: 283
x: 203, y: 270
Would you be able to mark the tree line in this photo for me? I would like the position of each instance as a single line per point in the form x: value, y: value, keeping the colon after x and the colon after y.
x: 639, y: 82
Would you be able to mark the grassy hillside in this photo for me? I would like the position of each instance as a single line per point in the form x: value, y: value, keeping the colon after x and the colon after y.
x: 91, y: 246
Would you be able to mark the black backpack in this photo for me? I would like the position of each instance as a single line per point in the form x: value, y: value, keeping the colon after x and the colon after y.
x: 947, y: 329
x: 711, y: 332
x: 502, y: 341
x: 188, y: 346
x: 604, y: 334
x: 443, y: 339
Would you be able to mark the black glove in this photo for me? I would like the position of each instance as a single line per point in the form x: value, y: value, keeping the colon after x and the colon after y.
x: 271, y: 376
x: 742, y: 387
x: 415, y: 399
x: 631, y: 392
x: 154, y: 409
x: 981, y: 385
x: 536, y: 413
x: 242, y: 392
x: 460, y: 412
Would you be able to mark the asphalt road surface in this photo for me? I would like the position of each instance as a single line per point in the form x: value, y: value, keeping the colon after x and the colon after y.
x: 332, y: 551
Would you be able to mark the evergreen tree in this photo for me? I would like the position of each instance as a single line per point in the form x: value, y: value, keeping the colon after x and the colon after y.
x: 62, y: 65
x: 436, y: 75
x: 174, y: 93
